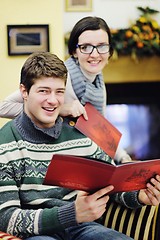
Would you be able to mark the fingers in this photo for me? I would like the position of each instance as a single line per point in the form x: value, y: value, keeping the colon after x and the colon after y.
x: 100, y: 193
x: 153, y: 190
x: 85, y: 115
x: 78, y: 110
x: 151, y: 195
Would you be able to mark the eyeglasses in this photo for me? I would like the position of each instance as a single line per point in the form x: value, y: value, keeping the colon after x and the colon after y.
x: 88, y: 49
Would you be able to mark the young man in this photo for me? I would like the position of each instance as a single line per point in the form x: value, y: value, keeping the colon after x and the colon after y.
x: 30, y: 209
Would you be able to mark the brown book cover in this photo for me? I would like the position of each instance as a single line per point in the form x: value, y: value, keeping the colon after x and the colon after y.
x: 80, y: 173
x: 100, y: 130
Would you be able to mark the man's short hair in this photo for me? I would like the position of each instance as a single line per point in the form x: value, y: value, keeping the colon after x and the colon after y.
x: 42, y: 64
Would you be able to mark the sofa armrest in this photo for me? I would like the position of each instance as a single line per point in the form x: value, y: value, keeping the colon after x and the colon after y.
x: 6, y: 236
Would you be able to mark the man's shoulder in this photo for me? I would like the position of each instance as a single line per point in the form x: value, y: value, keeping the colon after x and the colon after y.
x: 69, y: 131
x: 7, y: 132
x: 6, y: 126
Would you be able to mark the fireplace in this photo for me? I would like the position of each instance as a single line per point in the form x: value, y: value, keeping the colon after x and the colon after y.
x: 134, y: 108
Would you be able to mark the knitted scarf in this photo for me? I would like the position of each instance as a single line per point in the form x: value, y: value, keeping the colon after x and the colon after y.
x: 85, y: 90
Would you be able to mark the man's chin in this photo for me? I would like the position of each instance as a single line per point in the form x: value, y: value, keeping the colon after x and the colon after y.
x: 48, y: 122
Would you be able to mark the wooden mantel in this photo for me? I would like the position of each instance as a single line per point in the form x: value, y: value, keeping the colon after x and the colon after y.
x: 125, y: 70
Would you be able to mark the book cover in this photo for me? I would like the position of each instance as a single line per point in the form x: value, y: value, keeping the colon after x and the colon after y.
x: 100, y: 130
x: 80, y: 173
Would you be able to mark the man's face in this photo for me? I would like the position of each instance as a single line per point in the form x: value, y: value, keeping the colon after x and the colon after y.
x: 42, y: 103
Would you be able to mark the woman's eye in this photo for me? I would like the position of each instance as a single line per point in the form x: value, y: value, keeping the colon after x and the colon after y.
x: 84, y: 48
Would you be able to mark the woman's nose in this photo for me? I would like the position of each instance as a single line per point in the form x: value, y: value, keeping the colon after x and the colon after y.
x: 94, y: 52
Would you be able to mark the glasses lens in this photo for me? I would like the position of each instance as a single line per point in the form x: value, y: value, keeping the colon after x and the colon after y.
x: 103, y: 48
x: 86, y: 48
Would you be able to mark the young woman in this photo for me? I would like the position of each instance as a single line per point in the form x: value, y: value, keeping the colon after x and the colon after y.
x: 90, y: 48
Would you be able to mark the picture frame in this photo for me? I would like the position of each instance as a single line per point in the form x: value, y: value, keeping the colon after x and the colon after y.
x: 78, y: 5
x: 26, y: 39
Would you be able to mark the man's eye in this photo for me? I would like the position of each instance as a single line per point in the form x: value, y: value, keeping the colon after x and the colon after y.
x: 60, y: 91
x: 43, y: 91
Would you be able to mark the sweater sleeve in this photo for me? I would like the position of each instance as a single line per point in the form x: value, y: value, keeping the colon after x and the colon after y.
x: 19, y: 220
x: 127, y: 199
x: 12, y: 105
x: 121, y: 155
x: 69, y: 93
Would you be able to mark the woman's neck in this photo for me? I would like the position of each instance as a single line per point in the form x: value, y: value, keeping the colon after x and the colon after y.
x: 90, y: 76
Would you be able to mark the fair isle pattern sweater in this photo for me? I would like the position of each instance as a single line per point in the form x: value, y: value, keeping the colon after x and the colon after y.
x: 27, y: 207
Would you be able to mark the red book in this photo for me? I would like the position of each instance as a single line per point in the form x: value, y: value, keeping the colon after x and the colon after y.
x: 90, y: 174
x: 100, y: 130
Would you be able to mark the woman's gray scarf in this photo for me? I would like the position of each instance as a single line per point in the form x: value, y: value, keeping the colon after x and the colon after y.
x: 85, y: 90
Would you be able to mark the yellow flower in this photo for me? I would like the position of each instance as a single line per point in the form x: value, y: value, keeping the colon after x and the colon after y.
x: 142, y: 19
x: 154, y: 24
x: 136, y: 28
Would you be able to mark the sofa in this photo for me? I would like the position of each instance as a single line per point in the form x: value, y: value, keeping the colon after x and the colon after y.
x: 140, y: 224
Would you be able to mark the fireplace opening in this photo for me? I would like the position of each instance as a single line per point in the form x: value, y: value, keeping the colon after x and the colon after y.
x: 134, y: 108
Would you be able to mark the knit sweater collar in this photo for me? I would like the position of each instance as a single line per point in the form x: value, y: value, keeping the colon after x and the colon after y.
x: 32, y: 133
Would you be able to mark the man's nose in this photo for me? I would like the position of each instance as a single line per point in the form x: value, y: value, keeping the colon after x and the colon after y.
x: 52, y: 98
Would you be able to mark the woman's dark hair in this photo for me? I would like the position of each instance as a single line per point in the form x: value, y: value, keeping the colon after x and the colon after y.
x: 87, y: 23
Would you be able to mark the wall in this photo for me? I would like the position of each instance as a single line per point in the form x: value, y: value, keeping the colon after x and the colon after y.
x: 117, y: 13
x: 27, y: 12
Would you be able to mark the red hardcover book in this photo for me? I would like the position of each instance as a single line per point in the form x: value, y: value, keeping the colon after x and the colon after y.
x: 100, y: 130
x: 80, y: 173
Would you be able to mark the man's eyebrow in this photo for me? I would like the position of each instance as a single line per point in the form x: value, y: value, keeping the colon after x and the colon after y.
x: 61, y: 89
x: 43, y: 87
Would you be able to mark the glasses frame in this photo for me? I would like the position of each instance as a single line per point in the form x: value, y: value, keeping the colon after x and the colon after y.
x: 93, y: 47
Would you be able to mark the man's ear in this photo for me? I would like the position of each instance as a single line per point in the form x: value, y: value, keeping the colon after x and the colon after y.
x: 23, y: 91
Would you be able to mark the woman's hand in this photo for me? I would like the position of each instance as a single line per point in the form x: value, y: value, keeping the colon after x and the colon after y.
x: 74, y: 109
x: 151, y: 195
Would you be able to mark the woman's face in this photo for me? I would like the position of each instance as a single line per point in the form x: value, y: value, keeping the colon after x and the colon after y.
x: 94, y: 62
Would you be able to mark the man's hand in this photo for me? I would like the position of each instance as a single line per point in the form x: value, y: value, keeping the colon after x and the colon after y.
x: 151, y: 195
x: 91, y: 207
x: 74, y: 109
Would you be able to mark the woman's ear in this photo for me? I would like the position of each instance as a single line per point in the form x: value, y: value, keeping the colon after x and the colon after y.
x: 75, y: 55
x: 23, y: 91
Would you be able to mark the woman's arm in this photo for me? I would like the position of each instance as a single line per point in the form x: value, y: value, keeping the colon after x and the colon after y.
x: 122, y: 156
x: 12, y: 105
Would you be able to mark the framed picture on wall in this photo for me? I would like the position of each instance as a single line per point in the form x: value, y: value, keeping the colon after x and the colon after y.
x: 26, y: 39
x: 78, y: 5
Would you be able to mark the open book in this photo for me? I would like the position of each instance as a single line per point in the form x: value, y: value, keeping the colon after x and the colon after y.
x: 90, y: 174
